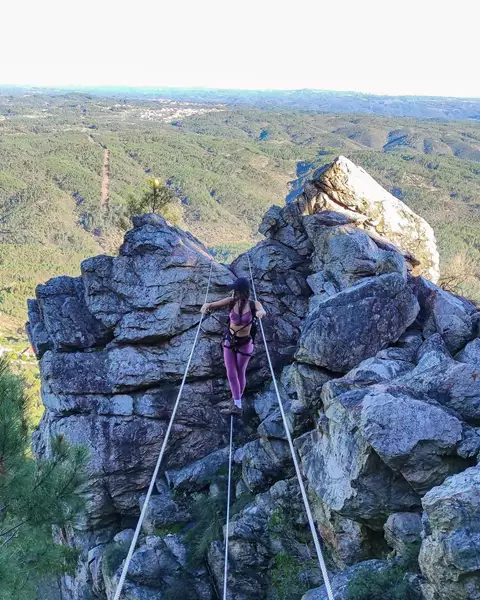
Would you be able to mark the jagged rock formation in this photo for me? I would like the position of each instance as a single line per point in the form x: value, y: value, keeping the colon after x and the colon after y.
x: 379, y: 371
x: 345, y: 188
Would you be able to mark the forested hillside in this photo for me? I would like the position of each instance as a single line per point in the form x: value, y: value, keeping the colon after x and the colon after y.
x: 226, y: 164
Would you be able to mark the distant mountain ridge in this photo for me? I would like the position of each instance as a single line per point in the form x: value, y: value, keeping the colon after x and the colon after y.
x: 419, y: 107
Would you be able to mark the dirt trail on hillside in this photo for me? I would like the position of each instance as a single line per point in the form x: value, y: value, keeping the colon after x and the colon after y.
x: 105, y: 197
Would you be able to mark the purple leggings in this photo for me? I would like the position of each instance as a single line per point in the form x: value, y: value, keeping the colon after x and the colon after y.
x: 236, y: 365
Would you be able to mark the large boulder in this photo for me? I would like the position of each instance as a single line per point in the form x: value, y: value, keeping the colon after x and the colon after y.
x: 454, y: 318
x: 344, y: 255
x: 348, y: 189
x: 358, y: 322
x: 450, y: 552
x: 470, y: 354
x: 147, y: 293
x: 345, y: 471
x: 403, y: 533
x: 413, y: 437
x: 455, y: 385
x: 60, y: 318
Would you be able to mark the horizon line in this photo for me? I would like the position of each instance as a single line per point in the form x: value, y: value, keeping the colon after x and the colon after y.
x: 85, y: 87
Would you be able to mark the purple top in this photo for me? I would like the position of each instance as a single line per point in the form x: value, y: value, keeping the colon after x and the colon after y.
x: 236, y: 319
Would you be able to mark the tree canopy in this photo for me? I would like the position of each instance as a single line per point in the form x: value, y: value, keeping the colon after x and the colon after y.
x: 35, y: 494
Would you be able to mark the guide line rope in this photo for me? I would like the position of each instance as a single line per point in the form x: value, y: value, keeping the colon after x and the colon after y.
x: 298, y: 471
x: 133, y: 544
x: 225, y: 574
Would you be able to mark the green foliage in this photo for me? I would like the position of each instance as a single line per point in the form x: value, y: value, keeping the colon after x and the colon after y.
x: 289, y: 571
x: 113, y: 556
x: 386, y: 584
x: 169, y: 529
x: 288, y: 578
x: 225, y: 167
x: 208, y: 517
x: 283, y: 525
x: 34, y: 495
x: 154, y: 199
x: 227, y: 253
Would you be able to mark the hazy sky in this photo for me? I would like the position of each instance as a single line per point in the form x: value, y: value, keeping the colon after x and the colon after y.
x: 377, y: 46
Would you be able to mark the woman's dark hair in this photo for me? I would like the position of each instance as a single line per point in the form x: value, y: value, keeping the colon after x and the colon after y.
x: 241, y: 294
x: 242, y: 297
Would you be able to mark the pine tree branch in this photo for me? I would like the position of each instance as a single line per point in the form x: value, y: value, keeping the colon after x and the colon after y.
x: 13, y: 529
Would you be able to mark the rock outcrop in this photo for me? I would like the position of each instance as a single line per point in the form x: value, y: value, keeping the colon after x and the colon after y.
x: 450, y: 553
x: 348, y: 189
x: 379, y: 374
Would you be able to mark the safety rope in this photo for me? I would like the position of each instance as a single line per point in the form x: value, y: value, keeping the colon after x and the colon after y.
x: 298, y: 472
x: 160, y: 456
x: 225, y: 574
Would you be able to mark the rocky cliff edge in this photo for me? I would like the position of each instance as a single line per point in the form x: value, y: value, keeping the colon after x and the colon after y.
x: 379, y: 370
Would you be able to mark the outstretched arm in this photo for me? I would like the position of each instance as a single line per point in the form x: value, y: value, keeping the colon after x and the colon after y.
x: 260, y: 310
x: 214, y: 305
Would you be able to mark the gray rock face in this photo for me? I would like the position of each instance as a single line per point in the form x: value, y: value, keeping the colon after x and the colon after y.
x: 201, y: 473
x: 60, y: 317
x: 345, y: 188
x: 452, y: 317
x: 470, y: 354
x: 450, y: 552
x: 37, y: 334
x: 355, y: 324
x: 340, y: 582
x: 128, y: 368
x: 162, y: 510
x: 123, y: 455
x: 403, y: 533
x: 148, y: 275
x: 341, y: 298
